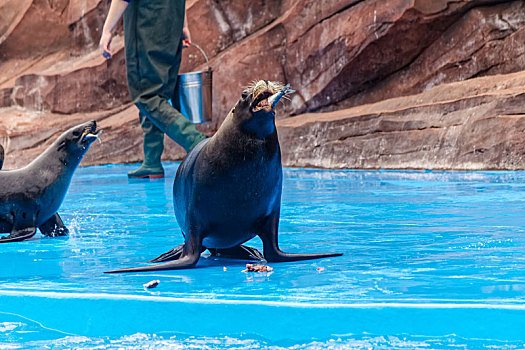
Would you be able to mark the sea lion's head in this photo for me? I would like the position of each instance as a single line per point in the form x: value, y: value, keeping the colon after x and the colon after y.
x: 75, y: 142
x: 255, y: 110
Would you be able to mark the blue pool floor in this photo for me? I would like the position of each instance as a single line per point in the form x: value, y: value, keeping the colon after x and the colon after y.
x: 431, y: 260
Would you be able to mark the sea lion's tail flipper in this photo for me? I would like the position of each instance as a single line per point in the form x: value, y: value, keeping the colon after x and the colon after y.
x: 239, y: 252
x: 186, y: 262
x: 191, y: 252
x: 19, y: 235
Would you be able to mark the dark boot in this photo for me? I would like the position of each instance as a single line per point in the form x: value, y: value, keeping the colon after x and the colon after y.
x: 153, y: 147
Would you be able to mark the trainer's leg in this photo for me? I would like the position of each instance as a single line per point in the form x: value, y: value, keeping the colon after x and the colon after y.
x: 170, y: 121
x: 153, y: 54
x: 153, y: 147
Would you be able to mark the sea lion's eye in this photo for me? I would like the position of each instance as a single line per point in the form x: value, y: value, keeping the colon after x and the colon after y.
x: 76, y: 133
x: 245, y: 94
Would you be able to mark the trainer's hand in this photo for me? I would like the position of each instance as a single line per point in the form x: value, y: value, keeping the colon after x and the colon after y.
x: 105, y: 42
x: 186, y: 37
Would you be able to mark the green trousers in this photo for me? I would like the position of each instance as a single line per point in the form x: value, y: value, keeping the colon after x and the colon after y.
x: 153, y: 43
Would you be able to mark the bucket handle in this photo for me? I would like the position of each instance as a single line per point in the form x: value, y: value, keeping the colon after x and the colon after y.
x: 203, y: 53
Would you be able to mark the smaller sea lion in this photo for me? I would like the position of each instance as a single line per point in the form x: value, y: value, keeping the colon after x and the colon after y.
x: 31, y: 196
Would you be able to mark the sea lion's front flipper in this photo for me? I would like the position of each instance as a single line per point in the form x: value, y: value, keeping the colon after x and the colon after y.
x: 54, y: 227
x: 191, y: 252
x: 240, y: 252
x: 272, y: 253
x: 185, y: 262
x: 19, y: 234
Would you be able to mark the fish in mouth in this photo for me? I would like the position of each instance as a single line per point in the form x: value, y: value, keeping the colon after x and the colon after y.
x: 91, y: 134
x: 267, y: 95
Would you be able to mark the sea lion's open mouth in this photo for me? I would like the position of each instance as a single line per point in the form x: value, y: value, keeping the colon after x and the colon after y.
x: 261, y: 101
x: 268, y: 99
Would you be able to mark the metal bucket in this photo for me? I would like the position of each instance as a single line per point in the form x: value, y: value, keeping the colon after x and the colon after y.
x: 193, y: 94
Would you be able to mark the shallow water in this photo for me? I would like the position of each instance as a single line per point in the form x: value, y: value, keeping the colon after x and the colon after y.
x: 431, y: 260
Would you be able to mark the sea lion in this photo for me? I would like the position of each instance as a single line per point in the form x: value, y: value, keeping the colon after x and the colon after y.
x: 31, y: 196
x: 228, y: 188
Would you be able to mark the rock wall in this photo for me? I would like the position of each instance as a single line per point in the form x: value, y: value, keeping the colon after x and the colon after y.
x: 478, y: 124
x: 342, y: 57
x: 485, y: 41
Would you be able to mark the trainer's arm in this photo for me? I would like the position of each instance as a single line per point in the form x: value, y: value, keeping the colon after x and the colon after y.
x: 186, y: 36
x: 116, y: 10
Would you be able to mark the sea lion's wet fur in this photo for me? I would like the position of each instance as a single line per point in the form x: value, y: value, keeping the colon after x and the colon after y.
x: 228, y: 188
x: 31, y: 196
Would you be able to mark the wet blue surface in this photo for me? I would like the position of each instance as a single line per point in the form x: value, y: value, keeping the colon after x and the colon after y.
x: 431, y: 260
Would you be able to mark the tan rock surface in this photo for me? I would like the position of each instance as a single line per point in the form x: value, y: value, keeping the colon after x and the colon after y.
x: 11, y: 13
x: 216, y: 25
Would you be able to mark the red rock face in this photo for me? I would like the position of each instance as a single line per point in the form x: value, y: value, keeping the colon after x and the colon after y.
x: 485, y: 41
x: 471, y: 125
x: 38, y: 28
x: 337, y: 54
x: 85, y: 25
x: 217, y: 25
x: 99, y: 87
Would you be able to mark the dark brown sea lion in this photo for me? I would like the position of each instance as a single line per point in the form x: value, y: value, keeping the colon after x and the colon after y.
x: 228, y: 188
